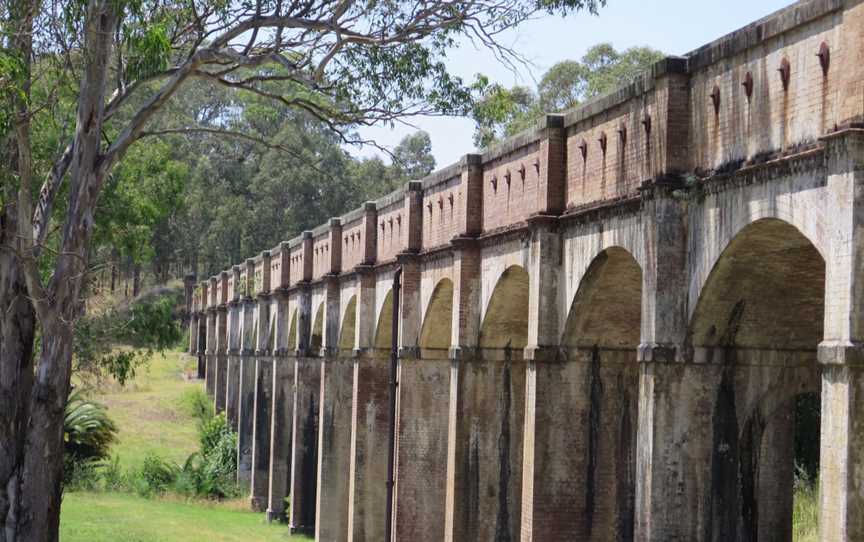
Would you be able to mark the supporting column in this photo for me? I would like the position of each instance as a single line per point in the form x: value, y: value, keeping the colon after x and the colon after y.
x: 193, y: 334
x: 281, y: 429
x: 304, y: 452
x: 221, y: 358
x: 368, y: 462
x: 466, y: 331
x: 260, y: 484
x: 553, y: 477
x: 201, y: 344
x: 210, y: 343
x: 548, y: 503
x: 673, y: 461
x: 334, y: 440
x: 246, y: 393
x: 841, y: 485
x: 232, y: 394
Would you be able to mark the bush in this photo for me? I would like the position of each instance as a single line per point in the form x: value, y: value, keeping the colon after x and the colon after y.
x: 156, y: 476
x: 88, y: 433
x: 152, y: 324
x: 212, y: 472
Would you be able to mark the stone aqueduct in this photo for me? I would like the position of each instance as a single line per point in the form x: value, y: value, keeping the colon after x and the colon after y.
x: 604, y: 325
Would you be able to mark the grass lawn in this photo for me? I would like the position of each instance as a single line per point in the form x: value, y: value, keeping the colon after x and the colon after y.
x: 111, y: 517
x: 150, y: 417
x: 148, y: 412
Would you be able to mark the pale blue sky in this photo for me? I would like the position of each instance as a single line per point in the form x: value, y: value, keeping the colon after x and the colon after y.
x: 673, y: 26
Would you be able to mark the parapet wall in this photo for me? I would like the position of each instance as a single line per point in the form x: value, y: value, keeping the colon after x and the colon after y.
x: 770, y: 89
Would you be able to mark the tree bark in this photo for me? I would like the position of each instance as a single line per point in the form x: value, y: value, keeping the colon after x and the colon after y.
x: 17, y: 330
x: 33, y: 399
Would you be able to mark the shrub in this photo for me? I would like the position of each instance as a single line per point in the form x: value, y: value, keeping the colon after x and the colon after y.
x: 152, y: 324
x: 212, y: 471
x: 156, y: 475
x: 88, y: 433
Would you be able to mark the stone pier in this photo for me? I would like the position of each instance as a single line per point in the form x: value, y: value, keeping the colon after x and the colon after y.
x: 607, y: 323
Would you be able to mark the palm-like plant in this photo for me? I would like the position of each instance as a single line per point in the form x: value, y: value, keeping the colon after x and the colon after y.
x: 88, y: 432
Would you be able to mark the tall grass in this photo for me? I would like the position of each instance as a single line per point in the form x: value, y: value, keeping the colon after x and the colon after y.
x: 805, y: 511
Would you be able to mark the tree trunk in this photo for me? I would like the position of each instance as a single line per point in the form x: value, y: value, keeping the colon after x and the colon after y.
x: 17, y: 330
x: 136, y: 280
x: 42, y: 465
x: 113, y: 270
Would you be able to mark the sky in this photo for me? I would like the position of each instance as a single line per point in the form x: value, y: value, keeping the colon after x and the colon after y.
x: 675, y: 27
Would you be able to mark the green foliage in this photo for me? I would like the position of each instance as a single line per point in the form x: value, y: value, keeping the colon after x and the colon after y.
x: 152, y: 324
x: 805, y: 510
x: 413, y: 156
x: 211, y: 472
x: 12, y: 74
x: 149, y: 51
x: 144, y: 191
x: 502, y: 112
x: 88, y: 433
x: 198, y: 405
x: 149, y: 324
x: 156, y: 476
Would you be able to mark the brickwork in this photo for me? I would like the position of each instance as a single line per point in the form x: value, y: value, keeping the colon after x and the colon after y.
x: 281, y: 432
x: 304, y: 452
x: 604, y: 320
x: 334, y: 444
x: 368, y: 457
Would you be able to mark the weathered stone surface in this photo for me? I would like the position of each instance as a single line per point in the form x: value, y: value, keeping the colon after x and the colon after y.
x: 605, y: 321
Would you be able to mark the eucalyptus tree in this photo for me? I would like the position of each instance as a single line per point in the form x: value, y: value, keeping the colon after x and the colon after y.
x: 347, y: 63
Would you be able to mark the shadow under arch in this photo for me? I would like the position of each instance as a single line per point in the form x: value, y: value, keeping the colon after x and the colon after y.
x: 607, y: 308
x: 505, y: 322
x: 292, y: 332
x: 349, y: 324
x: 436, y: 332
x: 316, y: 338
x: 756, y: 327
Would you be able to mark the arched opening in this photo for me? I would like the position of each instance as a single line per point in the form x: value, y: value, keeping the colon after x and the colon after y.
x: 758, y: 321
x: 492, y: 417
x: 384, y: 330
x: 292, y: 332
x: 598, y: 390
x: 437, y: 322
x: 505, y: 323
x: 349, y: 322
x: 316, y: 339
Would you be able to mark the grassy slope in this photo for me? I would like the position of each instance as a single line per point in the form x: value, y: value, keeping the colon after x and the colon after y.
x: 149, y: 415
x: 150, y: 418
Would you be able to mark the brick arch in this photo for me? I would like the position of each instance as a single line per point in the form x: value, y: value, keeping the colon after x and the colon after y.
x: 809, y: 221
x: 436, y: 330
x: 606, y: 309
x: 584, y: 244
x: 316, y: 339
x: 505, y: 323
x: 765, y: 290
x: 757, y: 323
x: 384, y: 327
x: 349, y: 324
